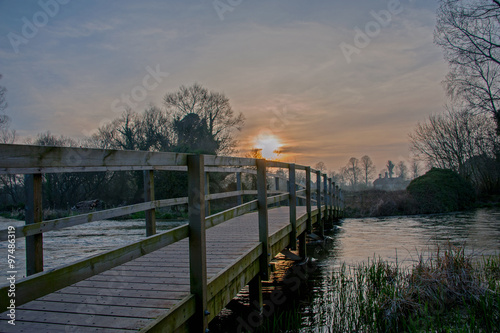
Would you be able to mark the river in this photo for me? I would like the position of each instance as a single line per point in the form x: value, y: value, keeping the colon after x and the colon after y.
x: 400, y: 239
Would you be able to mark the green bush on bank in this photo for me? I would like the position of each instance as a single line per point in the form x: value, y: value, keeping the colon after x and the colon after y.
x: 441, y: 191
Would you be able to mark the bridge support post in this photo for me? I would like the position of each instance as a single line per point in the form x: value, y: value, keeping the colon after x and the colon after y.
x: 325, y: 196
x: 293, y: 206
x: 239, y: 198
x: 149, y: 195
x: 308, y: 199
x: 34, y: 214
x: 255, y: 293
x: 318, y: 204
x: 330, y: 200
x: 197, y: 240
x: 263, y: 221
x: 207, y: 192
x: 337, y: 202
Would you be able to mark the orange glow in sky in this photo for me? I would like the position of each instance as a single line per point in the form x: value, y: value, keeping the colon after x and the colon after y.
x: 269, y: 146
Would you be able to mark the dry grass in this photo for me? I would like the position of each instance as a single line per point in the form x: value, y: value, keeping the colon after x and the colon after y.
x: 445, y: 292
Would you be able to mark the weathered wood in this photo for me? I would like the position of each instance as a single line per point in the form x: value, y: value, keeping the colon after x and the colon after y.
x: 325, y: 196
x: 197, y: 240
x: 207, y: 192
x: 239, y: 188
x: 318, y: 203
x: 216, y: 219
x: 308, y: 199
x: 34, y: 214
x: 330, y: 198
x: 263, y: 218
x: 174, y: 318
x: 293, y: 206
x: 57, y: 224
x: 149, y: 195
x: 45, y: 159
x: 49, y: 281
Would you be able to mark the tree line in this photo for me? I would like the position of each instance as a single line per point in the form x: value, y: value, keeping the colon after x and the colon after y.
x: 192, y: 120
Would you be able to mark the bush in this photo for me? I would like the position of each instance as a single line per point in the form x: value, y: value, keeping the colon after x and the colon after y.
x: 440, y: 191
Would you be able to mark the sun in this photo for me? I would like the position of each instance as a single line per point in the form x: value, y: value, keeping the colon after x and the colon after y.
x: 269, y: 146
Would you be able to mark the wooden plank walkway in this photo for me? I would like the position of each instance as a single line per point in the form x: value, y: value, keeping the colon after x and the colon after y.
x: 140, y: 292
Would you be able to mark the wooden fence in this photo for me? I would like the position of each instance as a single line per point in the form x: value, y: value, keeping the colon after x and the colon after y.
x: 35, y: 161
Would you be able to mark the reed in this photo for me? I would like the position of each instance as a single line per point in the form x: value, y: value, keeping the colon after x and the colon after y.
x: 446, y: 292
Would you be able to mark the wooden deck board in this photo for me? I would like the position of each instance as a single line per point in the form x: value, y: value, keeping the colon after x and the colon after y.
x: 127, y: 297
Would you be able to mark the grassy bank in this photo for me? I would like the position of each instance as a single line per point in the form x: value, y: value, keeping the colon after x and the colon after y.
x: 447, y: 292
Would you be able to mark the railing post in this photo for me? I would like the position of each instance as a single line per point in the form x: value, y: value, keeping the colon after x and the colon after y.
x: 207, y: 192
x: 197, y: 241
x: 293, y: 206
x: 149, y: 195
x: 239, y: 198
x: 34, y: 214
x: 330, y: 199
x: 263, y: 223
x: 337, y: 202
x: 325, y: 195
x: 318, y: 204
x: 277, y: 188
x: 308, y: 199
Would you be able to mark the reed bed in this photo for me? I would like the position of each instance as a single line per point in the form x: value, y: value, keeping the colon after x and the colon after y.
x: 446, y: 292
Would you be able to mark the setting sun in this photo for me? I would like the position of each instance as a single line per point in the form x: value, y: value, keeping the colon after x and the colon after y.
x: 269, y: 146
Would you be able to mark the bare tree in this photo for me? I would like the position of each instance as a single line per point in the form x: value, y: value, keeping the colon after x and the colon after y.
x: 133, y: 131
x: 469, y: 33
x: 415, y: 168
x: 3, y: 102
x: 457, y: 140
x: 352, y: 172
x: 320, y: 166
x: 402, y: 170
x: 211, y: 106
x: 368, y: 168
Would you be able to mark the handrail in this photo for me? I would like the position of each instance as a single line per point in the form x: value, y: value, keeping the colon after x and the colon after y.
x: 37, y: 160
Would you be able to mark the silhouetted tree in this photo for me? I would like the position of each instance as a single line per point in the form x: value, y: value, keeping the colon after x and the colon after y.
x: 193, y: 135
x: 212, y: 107
x: 368, y: 168
x: 390, y: 168
x: 469, y: 33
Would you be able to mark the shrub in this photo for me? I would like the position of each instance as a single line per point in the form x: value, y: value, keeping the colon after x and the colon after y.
x: 440, y: 191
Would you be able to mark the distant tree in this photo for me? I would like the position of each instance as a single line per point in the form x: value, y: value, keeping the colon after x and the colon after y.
x: 320, y: 166
x: 3, y: 102
x: 469, y: 33
x: 390, y: 168
x: 148, y: 131
x: 352, y: 172
x: 415, y: 168
x: 368, y: 168
x: 6, y: 135
x: 402, y: 170
x: 193, y: 135
x: 460, y: 141
x: 212, y: 107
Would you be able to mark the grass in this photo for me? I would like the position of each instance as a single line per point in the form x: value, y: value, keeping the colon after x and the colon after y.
x: 447, y: 292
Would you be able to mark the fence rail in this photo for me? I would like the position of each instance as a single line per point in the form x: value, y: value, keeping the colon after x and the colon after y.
x: 34, y: 161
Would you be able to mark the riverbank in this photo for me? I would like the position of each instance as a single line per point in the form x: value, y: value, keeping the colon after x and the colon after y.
x: 377, y: 203
x: 446, y: 292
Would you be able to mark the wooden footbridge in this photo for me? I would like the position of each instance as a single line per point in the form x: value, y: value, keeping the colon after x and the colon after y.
x: 173, y: 281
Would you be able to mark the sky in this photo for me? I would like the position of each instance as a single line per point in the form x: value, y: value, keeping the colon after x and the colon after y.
x: 323, y: 80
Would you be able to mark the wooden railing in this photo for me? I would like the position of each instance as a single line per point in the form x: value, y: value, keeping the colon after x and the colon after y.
x: 34, y: 161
